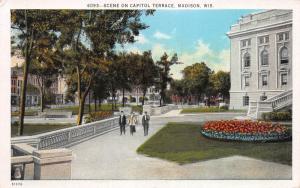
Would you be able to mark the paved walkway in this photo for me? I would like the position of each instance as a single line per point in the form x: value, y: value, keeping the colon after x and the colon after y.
x: 112, y: 156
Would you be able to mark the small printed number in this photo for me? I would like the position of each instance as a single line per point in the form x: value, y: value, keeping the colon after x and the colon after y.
x: 16, y: 183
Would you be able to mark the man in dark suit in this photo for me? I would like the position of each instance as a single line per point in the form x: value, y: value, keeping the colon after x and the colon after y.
x: 145, y: 122
x: 122, y: 122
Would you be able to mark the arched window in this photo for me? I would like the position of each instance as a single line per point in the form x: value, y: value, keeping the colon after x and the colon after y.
x: 247, y: 60
x: 264, y: 57
x: 284, y: 55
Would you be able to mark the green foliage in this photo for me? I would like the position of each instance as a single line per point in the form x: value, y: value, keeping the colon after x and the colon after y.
x: 203, y: 110
x: 197, y: 77
x: 224, y: 107
x: 221, y: 83
x: 33, y: 129
x: 97, y: 116
x: 183, y: 143
x: 277, y: 116
x: 164, y: 66
x: 137, y: 108
x: 209, y: 109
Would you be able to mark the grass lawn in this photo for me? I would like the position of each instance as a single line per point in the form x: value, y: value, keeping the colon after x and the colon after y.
x: 74, y: 109
x: 32, y: 129
x: 183, y: 143
x: 27, y: 113
x: 207, y: 109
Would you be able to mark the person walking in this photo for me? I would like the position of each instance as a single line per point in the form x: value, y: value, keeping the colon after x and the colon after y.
x: 145, y: 122
x: 122, y: 122
x: 132, y: 121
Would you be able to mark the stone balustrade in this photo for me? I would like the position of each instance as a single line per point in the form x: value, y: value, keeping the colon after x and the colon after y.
x: 69, y: 136
x: 28, y: 163
x: 257, y: 108
x: 55, y: 114
x: 156, y: 110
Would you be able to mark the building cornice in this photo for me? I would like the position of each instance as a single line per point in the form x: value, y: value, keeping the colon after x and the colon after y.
x: 257, y: 91
x: 259, y: 29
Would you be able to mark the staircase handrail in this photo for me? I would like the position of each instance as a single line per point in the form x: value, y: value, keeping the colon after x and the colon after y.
x: 280, y: 95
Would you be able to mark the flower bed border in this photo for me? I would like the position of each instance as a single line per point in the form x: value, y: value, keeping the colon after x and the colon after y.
x: 247, y: 137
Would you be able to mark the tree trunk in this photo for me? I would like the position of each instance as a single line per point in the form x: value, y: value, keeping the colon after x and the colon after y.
x: 123, y: 100
x: 143, y: 99
x: 115, y: 102
x: 25, y: 77
x: 82, y: 102
x: 80, y: 112
x: 42, y: 101
x: 95, y: 103
x: 81, y: 105
x: 23, y: 98
x: 89, y: 102
x: 100, y: 102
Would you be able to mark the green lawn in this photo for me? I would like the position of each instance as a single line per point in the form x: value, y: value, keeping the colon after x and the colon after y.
x: 183, y: 143
x: 32, y: 129
x: 74, y: 109
x: 207, y: 110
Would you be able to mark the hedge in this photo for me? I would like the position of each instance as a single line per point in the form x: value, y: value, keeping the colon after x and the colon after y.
x: 277, y: 116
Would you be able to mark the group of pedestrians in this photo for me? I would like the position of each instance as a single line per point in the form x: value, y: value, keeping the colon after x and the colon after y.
x: 132, y: 122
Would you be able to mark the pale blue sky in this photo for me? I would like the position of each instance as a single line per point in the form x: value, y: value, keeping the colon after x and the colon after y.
x: 196, y: 35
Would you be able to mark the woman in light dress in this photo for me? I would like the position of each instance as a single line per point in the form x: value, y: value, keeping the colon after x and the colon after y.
x: 132, y: 121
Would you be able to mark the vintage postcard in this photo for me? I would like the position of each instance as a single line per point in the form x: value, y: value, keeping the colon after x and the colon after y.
x: 149, y: 93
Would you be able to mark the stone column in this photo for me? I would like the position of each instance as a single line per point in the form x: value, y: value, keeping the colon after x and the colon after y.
x: 52, y: 164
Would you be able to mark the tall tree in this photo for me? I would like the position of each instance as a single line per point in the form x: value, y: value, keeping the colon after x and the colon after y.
x: 197, y: 78
x: 144, y: 72
x: 100, y: 89
x: 164, y: 65
x: 30, y: 26
x: 91, y: 38
x: 43, y: 67
x: 221, y: 83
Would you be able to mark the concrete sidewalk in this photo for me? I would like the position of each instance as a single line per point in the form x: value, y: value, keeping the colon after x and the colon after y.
x: 112, y: 156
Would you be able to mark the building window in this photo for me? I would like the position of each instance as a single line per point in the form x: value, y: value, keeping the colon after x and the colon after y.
x: 283, y: 36
x: 245, y: 100
x: 246, y: 42
x: 263, y: 40
x: 247, y: 60
x: 264, y: 57
x: 247, y: 80
x: 264, y: 79
x: 284, y: 56
x: 263, y: 97
x: 284, y: 79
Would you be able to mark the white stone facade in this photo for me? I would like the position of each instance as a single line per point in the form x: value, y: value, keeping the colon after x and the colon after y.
x: 260, y: 57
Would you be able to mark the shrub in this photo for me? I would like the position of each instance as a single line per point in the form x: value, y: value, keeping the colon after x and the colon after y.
x: 138, y: 109
x: 96, y: 116
x: 224, y: 107
x: 277, y: 116
x: 245, y: 130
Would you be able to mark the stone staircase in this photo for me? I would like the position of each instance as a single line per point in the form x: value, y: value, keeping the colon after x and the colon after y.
x: 278, y: 102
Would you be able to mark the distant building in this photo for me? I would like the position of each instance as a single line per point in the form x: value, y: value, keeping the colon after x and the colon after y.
x: 135, y: 95
x: 58, y: 87
x: 260, y: 57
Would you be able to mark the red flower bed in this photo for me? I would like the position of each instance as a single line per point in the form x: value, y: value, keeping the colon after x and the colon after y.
x: 245, y: 130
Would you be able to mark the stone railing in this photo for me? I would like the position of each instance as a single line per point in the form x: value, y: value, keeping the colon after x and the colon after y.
x: 256, y: 108
x: 282, y: 101
x: 156, y: 110
x: 69, y: 136
x: 55, y: 114
x: 28, y: 163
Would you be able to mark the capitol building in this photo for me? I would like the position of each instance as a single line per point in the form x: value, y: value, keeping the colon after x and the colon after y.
x: 260, y: 57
